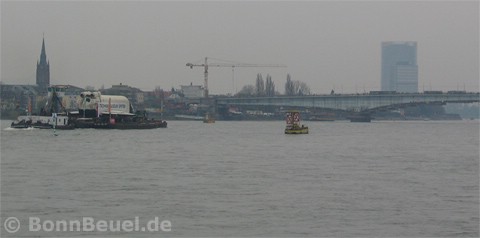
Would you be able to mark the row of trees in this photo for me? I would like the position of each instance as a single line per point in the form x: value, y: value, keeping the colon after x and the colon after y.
x: 295, y: 87
x: 267, y: 88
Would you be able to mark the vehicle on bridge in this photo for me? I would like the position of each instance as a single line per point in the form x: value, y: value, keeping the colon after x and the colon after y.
x: 432, y: 92
x: 382, y: 92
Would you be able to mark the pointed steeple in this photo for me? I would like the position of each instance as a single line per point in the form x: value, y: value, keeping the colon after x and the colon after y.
x: 43, y: 68
x: 43, y: 55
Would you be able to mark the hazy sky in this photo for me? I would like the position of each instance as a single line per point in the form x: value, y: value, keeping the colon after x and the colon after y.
x: 327, y: 44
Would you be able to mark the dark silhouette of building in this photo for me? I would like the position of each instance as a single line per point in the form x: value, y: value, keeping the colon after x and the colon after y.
x: 135, y: 95
x: 43, y: 69
x: 399, y: 66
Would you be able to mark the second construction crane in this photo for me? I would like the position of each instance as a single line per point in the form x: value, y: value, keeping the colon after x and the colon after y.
x: 233, y: 65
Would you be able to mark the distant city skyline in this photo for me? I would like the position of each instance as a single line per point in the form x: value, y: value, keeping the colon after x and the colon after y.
x: 326, y: 44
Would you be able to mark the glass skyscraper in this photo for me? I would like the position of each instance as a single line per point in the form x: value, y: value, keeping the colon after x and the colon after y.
x: 399, y: 66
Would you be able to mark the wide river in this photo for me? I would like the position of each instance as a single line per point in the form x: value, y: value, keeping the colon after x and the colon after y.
x: 383, y: 179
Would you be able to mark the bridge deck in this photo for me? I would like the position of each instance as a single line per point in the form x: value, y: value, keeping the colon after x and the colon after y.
x: 352, y: 102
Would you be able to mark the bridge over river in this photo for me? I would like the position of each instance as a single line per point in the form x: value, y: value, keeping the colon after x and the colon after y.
x: 356, y: 103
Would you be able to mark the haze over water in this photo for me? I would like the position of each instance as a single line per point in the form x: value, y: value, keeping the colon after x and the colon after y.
x: 411, y: 179
x: 326, y: 44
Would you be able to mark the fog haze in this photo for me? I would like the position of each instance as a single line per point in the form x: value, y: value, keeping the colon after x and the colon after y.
x: 329, y: 45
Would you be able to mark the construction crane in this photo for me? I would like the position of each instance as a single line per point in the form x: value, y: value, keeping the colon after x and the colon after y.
x: 233, y: 65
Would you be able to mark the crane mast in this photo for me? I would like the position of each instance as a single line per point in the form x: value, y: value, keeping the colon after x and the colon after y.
x: 233, y: 65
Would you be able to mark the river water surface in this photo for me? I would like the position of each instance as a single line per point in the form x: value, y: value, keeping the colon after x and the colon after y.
x: 410, y: 179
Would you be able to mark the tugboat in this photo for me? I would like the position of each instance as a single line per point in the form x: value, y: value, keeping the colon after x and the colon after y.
x: 293, y: 123
x: 53, y: 114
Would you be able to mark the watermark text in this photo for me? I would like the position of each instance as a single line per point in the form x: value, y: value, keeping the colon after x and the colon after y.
x: 88, y: 224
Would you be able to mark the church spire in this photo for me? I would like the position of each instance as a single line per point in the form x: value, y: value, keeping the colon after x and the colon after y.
x: 43, y: 69
x: 43, y: 55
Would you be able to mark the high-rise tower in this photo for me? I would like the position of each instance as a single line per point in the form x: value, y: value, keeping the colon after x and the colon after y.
x: 43, y: 69
x: 399, y: 67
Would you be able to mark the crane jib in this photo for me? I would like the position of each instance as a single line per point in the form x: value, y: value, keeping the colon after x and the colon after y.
x: 233, y: 65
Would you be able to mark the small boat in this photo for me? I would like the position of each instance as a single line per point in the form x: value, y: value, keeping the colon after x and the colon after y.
x: 208, y: 119
x: 293, y: 123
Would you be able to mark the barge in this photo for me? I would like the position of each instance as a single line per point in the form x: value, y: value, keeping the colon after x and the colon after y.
x: 111, y: 112
x: 94, y: 111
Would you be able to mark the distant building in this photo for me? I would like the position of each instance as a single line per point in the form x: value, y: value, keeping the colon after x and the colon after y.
x: 192, y: 91
x: 134, y: 95
x: 43, y: 69
x: 399, y: 66
x: 15, y: 97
